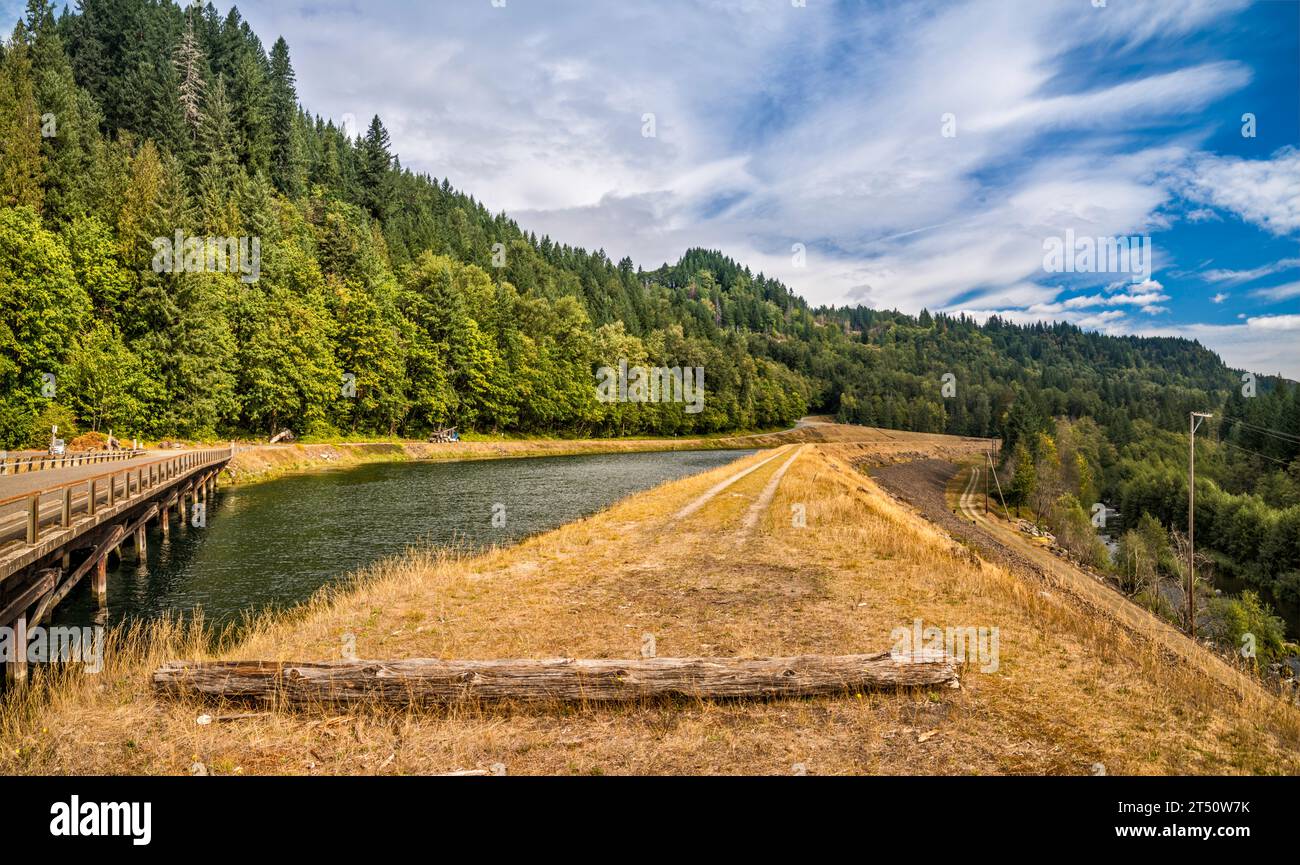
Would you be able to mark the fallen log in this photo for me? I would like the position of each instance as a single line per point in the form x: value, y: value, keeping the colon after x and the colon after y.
x: 431, y: 681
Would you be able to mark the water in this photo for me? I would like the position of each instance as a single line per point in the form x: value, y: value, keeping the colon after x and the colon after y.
x: 272, y: 545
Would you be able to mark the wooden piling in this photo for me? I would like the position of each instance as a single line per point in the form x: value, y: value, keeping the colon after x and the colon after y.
x: 16, y: 667
x: 100, y: 583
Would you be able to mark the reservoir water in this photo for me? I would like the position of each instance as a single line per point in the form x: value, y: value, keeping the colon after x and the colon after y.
x: 271, y: 545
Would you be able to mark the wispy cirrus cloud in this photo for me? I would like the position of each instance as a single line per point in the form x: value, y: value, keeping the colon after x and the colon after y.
x: 1237, y: 277
x: 1279, y: 292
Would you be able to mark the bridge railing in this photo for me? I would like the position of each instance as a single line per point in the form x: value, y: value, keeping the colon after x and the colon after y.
x: 86, y: 496
x: 14, y: 465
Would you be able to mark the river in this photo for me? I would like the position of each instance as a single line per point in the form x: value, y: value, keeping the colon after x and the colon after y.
x: 272, y: 545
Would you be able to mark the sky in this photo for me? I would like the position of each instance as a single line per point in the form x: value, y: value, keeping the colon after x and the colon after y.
x: 901, y: 155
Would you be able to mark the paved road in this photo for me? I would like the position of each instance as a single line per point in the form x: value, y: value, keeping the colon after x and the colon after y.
x: 29, y: 482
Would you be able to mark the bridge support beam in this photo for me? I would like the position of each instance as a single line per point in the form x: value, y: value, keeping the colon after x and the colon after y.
x: 100, y: 583
x: 15, y: 615
x: 94, y: 510
x: 16, y: 667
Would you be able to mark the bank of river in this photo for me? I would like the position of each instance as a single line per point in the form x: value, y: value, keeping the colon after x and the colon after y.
x: 272, y: 545
x: 254, y: 463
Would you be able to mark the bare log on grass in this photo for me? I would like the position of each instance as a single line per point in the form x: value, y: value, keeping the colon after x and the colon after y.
x: 430, y: 681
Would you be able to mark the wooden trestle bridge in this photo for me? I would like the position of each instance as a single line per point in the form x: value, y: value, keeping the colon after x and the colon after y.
x: 62, y: 517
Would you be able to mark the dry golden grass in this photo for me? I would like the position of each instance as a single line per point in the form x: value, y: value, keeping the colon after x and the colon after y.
x: 1073, y: 689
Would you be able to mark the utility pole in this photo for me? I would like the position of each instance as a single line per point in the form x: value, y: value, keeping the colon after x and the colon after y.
x: 1193, y: 422
x: 986, y: 481
x: 997, y: 482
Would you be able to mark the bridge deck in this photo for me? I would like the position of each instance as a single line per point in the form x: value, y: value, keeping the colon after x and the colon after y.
x: 29, y: 482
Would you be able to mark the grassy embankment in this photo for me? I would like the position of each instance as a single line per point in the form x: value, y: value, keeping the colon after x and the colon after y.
x: 1073, y: 690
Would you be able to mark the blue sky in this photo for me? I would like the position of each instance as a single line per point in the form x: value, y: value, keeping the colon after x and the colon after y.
x: 822, y: 125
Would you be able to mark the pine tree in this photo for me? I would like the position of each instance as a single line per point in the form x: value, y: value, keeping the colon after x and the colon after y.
x: 1024, y: 481
x: 373, y: 164
x: 22, y: 167
x: 286, y: 144
x: 69, y: 133
x: 219, y: 176
x: 250, y: 97
x: 137, y: 221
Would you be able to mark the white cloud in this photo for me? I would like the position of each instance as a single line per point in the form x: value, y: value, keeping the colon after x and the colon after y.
x: 1236, y: 277
x: 1144, y: 300
x: 1279, y: 292
x: 1263, y: 192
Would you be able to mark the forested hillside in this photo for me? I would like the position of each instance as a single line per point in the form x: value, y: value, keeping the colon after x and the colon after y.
x: 384, y: 301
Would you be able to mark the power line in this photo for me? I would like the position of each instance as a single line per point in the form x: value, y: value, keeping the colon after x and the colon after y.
x: 1256, y: 453
x: 1266, y: 430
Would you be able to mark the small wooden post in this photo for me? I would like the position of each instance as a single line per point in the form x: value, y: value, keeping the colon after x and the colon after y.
x: 34, y: 518
x: 112, y: 491
x: 16, y: 668
x: 180, y: 507
x: 66, y: 516
x: 166, y: 519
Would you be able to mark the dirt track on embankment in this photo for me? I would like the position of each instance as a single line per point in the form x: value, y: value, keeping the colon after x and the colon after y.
x: 926, y: 484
